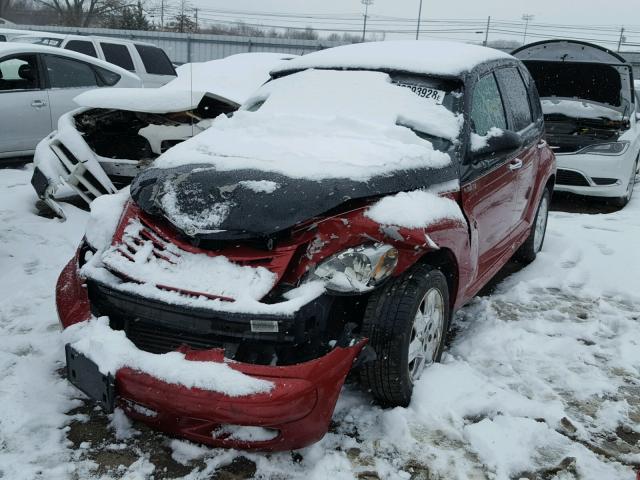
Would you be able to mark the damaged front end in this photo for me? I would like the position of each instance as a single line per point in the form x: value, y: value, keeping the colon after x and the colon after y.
x: 97, y: 151
x: 277, y: 297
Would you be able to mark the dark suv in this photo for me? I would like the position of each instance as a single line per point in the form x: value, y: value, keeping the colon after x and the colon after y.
x: 334, y: 223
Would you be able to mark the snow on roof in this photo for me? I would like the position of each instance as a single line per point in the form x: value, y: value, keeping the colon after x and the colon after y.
x: 428, y: 57
x: 320, y: 124
x: 234, y: 78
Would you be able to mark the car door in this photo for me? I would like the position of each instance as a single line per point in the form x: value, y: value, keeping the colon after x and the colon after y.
x: 488, y: 185
x: 25, y: 116
x: 520, y: 119
x: 67, y: 78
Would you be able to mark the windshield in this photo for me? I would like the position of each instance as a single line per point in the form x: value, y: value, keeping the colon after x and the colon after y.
x: 431, y: 110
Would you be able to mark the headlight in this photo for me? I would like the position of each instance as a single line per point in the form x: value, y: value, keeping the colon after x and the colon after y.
x: 612, y: 148
x: 357, y: 269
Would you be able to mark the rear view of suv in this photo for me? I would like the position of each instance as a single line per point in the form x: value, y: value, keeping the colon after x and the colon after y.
x: 146, y: 60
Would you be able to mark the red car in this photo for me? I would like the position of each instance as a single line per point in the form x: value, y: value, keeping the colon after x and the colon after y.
x: 333, y: 224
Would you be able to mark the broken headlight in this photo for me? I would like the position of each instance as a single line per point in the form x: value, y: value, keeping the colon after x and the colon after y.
x: 357, y: 269
x: 611, y: 148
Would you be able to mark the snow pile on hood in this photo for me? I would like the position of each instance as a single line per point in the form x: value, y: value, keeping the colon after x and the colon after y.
x: 106, y: 211
x: 579, y: 109
x: 324, y: 124
x: 233, y: 78
x: 429, y: 57
x: 417, y: 209
x: 111, y: 350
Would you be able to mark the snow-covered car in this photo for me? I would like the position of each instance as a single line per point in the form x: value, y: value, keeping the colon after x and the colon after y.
x: 100, y: 147
x: 146, y: 60
x: 333, y: 223
x: 591, y: 114
x: 37, y: 86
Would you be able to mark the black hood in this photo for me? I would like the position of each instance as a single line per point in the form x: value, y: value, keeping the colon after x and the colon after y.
x: 225, y: 205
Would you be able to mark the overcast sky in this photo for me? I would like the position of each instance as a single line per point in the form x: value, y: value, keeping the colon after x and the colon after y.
x: 614, y: 13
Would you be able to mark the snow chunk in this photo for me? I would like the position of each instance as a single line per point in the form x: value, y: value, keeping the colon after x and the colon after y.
x: 184, y: 270
x: 427, y: 57
x: 233, y: 78
x: 111, y: 350
x: 260, y: 186
x: 245, y: 433
x: 324, y: 124
x: 478, y: 142
x: 106, y: 211
x: 416, y: 209
x: 579, y: 109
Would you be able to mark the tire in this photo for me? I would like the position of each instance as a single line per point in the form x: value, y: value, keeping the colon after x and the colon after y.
x: 533, y: 244
x: 389, y: 320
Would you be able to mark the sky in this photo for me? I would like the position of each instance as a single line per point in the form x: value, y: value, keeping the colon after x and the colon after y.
x: 618, y: 13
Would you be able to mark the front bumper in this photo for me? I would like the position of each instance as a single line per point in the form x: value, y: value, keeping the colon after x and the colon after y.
x: 595, y: 175
x: 297, y: 410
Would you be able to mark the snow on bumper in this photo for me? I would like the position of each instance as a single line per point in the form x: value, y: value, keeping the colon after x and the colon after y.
x: 275, y: 408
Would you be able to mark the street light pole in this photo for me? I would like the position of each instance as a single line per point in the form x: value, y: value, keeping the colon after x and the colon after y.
x: 527, y: 18
x: 419, y: 18
x: 366, y: 4
x: 486, y: 33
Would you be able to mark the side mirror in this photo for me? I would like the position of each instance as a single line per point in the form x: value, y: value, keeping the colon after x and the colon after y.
x: 495, y: 144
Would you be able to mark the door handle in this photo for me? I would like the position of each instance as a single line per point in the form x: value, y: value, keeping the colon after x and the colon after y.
x: 515, y: 165
x: 38, y: 104
x: 542, y: 144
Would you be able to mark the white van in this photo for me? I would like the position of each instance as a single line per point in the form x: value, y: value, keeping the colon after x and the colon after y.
x: 146, y: 60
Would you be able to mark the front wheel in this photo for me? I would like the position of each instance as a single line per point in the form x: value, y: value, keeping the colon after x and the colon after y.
x: 406, y: 322
x: 529, y: 250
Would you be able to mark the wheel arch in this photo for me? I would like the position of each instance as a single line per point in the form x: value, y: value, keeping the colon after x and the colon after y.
x: 445, y: 260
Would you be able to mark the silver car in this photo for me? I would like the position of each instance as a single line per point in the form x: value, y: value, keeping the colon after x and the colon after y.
x: 38, y: 85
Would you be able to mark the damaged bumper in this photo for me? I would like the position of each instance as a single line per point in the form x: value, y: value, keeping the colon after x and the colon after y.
x: 294, y: 413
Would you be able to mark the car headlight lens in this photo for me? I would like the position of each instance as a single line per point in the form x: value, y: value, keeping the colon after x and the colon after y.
x: 612, y: 148
x: 357, y: 269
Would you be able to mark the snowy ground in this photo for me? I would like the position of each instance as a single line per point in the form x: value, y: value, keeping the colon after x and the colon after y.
x: 541, y: 381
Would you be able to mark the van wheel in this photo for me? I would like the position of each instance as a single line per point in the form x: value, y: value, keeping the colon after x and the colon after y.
x: 406, y: 322
x: 529, y: 250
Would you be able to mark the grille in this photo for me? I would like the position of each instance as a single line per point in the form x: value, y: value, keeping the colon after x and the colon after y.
x: 569, y: 177
x: 157, y: 339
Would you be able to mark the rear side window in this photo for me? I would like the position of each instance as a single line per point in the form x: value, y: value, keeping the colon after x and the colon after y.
x: 155, y: 60
x: 82, y: 46
x: 487, y: 110
x: 118, y: 55
x: 108, y: 77
x: 517, y: 97
x: 69, y: 73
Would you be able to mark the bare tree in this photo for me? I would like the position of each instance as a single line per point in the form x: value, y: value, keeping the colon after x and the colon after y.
x: 81, y: 13
x: 4, y: 7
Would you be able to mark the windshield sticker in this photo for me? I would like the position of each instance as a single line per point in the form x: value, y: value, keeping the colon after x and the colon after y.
x: 425, y: 92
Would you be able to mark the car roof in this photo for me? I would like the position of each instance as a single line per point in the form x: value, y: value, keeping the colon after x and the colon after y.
x: 72, y: 36
x: 9, y: 48
x: 439, y: 58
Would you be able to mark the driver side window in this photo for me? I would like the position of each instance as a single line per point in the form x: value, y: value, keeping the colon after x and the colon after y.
x: 487, y: 110
x: 19, y: 72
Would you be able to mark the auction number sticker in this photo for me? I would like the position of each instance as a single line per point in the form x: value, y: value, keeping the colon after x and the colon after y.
x: 425, y: 92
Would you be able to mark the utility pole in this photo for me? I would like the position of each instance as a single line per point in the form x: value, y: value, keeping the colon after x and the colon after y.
x: 196, y: 15
x: 366, y: 4
x: 161, y: 14
x: 419, y: 17
x: 486, y: 33
x: 622, y: 39
x: 527, y: 18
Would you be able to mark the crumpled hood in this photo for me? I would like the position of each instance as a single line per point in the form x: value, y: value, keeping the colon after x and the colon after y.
x: 206, y: 203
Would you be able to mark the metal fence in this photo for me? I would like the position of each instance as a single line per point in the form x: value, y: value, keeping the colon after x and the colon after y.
x: 190, y: 47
